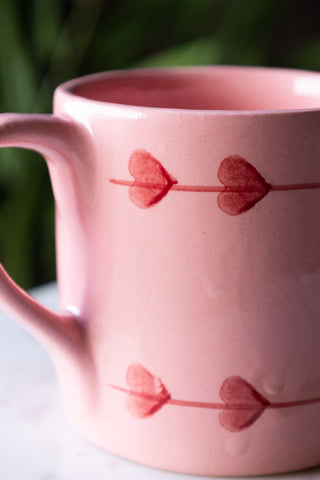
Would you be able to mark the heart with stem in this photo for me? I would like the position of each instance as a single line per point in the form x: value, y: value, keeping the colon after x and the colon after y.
x: 242, y: 186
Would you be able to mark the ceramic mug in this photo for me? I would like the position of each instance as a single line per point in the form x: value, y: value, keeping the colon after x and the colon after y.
x: 187, y: 229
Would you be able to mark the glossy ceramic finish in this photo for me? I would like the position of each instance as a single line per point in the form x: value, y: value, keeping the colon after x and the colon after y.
x: 35, y: 430
x: 188, y: 264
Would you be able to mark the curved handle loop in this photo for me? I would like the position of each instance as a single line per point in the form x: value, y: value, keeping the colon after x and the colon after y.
x: 58, y: 139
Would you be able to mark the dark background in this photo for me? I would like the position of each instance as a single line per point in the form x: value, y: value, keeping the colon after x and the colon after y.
x: 45, y: 42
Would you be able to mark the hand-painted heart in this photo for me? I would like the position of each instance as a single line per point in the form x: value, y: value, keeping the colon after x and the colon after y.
x: 244, y: 186
x: 147, y: 393
x: 243, y: 404
x: 151, y: 181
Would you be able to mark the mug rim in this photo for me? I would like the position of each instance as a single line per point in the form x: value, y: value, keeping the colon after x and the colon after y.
x: 67, y: 89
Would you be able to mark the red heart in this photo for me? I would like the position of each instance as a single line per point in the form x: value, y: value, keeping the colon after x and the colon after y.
x: 151, y: 181
x: 244, y: 186
x: 147, y: 392
x: 243, y: 404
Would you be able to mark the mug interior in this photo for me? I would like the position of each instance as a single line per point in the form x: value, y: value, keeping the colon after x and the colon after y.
x: 205, y: 88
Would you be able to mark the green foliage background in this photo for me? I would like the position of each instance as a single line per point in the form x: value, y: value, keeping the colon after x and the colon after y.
x: 45, y: 42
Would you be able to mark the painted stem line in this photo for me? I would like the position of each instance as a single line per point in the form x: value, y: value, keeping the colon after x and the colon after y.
x: 242, y: 186
x: 214, y: 188
x: 216, y: 406
x: 240, y: 407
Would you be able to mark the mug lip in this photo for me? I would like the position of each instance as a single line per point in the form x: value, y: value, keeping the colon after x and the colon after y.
x: 67, y: 89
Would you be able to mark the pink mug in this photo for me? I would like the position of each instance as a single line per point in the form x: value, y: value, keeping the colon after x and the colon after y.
x: 187, y: 229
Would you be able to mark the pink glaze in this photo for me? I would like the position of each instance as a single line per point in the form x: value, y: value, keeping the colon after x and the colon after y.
x: 187, y: 213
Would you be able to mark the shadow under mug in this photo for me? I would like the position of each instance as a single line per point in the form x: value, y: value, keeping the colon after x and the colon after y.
x: 187, y: 231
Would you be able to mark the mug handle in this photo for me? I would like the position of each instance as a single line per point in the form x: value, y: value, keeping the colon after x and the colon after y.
x: 59, y: 140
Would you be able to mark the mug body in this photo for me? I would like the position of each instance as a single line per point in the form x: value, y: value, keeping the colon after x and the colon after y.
x: 189, y: 243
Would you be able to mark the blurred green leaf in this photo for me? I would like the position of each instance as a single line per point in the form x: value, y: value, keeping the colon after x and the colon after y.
x: 198, y: 52
x: 46, y: 21
x: 18, y: 84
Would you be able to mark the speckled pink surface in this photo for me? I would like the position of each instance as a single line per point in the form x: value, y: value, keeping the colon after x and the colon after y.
x: 188, y: 264
x: 37, y: 441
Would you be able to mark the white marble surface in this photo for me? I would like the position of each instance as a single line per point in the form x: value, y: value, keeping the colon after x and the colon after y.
x: 36, y: 440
